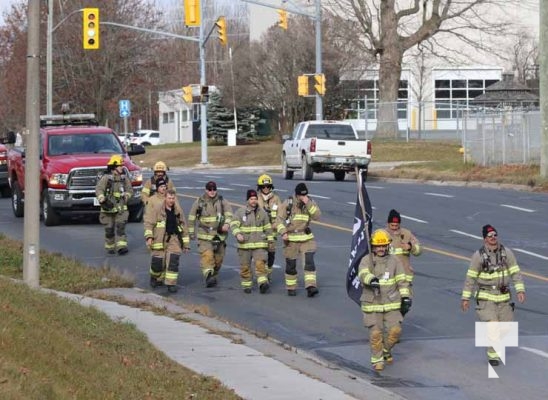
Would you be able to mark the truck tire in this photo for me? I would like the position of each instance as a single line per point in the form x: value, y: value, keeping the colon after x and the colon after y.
x: 306, y: 170
x: 17, y: 200
x: 339, y: 175
x: 51, y: 218
x: 287, y: 174
x: 136, y: 214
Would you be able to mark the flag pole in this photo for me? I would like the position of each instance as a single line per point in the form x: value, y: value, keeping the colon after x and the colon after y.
x: 365, y: 216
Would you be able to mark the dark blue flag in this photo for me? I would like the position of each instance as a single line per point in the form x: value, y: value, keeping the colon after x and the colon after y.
x: 361, y: 232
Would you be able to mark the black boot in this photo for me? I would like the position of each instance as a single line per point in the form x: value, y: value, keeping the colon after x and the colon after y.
x: 122, y: 251
x: 494, y: 362
x: 172, y: 288
x: 154, y: 283
x: 264, y: 288
x: 291, y: 292
x: 312, y: 291
x: 211, y: 280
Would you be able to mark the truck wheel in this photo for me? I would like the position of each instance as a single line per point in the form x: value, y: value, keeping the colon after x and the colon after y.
x: 136, y: 214
x: 287, y: 174
x: 51, y: 218
x: 17, y: 200
x: 306, y: 170
x: 339, y: 175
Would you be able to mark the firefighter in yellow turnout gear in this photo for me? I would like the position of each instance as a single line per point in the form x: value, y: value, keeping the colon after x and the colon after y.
x: 403, y: 245
x: 293, y: 225
x: 252, y: 229
x: 270, y: 202
x: 209, y: 221
x: 113, y: 191
x: 150, y: 186
x: 385, y: 298
x: 166, y: 235
x: 492, y: 269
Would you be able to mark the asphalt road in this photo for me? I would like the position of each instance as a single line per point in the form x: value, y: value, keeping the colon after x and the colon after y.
x: 437, y: 357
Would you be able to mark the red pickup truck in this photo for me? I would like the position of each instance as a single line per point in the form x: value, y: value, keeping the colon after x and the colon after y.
x: 74, y: 151
x: 4, y: 184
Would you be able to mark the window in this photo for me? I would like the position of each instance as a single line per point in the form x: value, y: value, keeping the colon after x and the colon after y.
x: 165, y: 118
x: 155, y: 135
x: 171, y: 116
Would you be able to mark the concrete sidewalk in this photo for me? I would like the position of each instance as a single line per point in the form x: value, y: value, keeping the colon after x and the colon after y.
x: 254, y: 368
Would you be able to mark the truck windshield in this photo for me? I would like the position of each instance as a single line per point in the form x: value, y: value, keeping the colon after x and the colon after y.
x: 83, y: 143
x: 331, y: 131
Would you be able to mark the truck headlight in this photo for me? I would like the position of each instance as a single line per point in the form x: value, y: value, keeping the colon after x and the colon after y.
x: 58, y: 179
x: 136, y: 176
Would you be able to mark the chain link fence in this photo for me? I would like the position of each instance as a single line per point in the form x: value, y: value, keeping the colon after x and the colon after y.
x: 488, y: 136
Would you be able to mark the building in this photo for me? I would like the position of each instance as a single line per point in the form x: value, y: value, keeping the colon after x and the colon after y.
x: 176, y: 116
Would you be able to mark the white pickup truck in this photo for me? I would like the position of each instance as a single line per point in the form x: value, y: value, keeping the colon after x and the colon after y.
x: 324, y: 146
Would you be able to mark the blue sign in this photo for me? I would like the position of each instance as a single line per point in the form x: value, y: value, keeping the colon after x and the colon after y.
x: 125, y: 108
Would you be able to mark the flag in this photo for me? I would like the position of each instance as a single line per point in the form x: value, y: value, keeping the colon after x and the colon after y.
x: 361, y: 232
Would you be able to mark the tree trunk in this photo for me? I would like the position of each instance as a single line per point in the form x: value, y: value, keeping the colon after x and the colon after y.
x: 390, y: 62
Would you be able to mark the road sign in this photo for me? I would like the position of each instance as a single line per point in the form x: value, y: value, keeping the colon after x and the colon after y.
x: 125, y: 108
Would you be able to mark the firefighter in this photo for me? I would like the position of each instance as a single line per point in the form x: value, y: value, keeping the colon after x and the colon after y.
x: 166, y: 235
x: 385, y: 298
x: 113, y: 191
x: 404, y: 244
x: 270, y: 202
x: 252, y: 229
x: 293, y: 225
x: 213, y: 215
x: 159, y: 195
x: 492, y: 269
x: 150, y: 187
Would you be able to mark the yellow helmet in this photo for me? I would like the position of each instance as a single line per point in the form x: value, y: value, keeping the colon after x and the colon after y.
x: 264, y: 179
x: 115, y: 160
x: 160, y: 166
x: 380, y: 238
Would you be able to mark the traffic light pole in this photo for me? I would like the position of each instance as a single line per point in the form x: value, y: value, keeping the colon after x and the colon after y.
x: 203, y: 105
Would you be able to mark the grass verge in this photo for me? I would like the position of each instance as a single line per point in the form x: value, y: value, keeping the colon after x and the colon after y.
x: 53, y: 348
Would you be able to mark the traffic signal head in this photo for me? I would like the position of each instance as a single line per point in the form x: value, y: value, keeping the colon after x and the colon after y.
x: 282, y: 22
x: 90, y: 29
x: 302, y: 81
x: 319, y: 84
x: 221, y: 30
x: 204, y: 94
x: 193, y: 16
x: 187, y: 94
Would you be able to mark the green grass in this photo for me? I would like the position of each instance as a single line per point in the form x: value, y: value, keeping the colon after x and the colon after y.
x: 53, y: 348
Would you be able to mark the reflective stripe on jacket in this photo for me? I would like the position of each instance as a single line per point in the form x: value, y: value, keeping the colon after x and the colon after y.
x: 208, y: 220
x: 298, y: 223
x: 254, y: 225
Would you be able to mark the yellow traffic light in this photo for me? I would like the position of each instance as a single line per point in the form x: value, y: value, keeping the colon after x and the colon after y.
x: 221, y: 30
x: 193, y: 16
x: 90, y: 29
x: 187, y: 94
x: 319, y: 84
x: 282, y: 22
x: 302, y: 81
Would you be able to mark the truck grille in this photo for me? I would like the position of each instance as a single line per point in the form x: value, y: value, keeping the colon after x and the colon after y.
x: 84, y: 178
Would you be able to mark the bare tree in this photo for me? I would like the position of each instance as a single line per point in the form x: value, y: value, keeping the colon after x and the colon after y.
x: 389, y: 28
x: 522, y: 55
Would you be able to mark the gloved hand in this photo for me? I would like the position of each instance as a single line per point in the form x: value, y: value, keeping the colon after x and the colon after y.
x: 405, y: 305
x: 107, y: 205
x: 374, y: 283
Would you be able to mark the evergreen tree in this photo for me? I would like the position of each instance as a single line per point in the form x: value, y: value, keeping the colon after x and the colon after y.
x: 219, y: 118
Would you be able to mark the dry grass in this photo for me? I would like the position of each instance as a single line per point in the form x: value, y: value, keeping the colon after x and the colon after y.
x: 442, y: 161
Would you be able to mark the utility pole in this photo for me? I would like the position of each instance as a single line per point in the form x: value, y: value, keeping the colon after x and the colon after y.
x: 203, y: 105
x: 31, y: 240
x: 543, y: 86
x: 49, y: 57
x: 319, y: 100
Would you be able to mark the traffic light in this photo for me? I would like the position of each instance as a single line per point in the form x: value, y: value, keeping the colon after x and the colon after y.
x: 204, y: 94
x: 187, y: 94
x: 221, y: 30
x: 319, y: 84
x: 90, y: 29
x: 302, y: 81
x: 282, y: 22
x: 193, y: 16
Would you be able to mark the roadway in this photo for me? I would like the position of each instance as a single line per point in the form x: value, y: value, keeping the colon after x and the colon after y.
x: 436, y: 357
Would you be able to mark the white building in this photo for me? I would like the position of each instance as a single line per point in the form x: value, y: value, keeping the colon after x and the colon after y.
x: 175, y: 117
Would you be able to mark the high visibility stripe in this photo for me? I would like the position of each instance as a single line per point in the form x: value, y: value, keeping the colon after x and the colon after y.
x: 466, y: 294
x: 246, y: 284
x: 291, y: 281
x: 253, y: 229
x: 370, y: 308
x: 157, y: 246
x: 375, y: 360
x: 253, y: 245
x: 520, y: 287
x: 121, y: 243
x: 205, y: 236
x: 472, y: 273
x: 172, y: 276
x: 404, y: 292
x: 497, y: 298
x: 261, y: 280
x: 398, y: 251
x: 513, y: 269
x: 300, y: 237
x: 148, y: 233
x: 161, y: 224
x: 301, y: 217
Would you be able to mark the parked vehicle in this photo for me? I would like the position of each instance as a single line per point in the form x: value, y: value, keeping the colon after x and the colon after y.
x: 74, y: 151
x: 146, y: 137
x: 324, y: 146
x: 5, y: 190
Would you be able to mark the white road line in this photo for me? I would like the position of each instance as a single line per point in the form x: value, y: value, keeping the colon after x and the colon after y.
x: 439, y: 195
x: 281, y: 190
x: 319, y: 197
x: 239, y: 184
x: 373, y: 187
x: 530, y: 253
x: 465, y: 234
x: 534, y: 351
x: 517, y: 208
x: 189, y: 187
x: 351, y: 203
x: 414, y: 219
